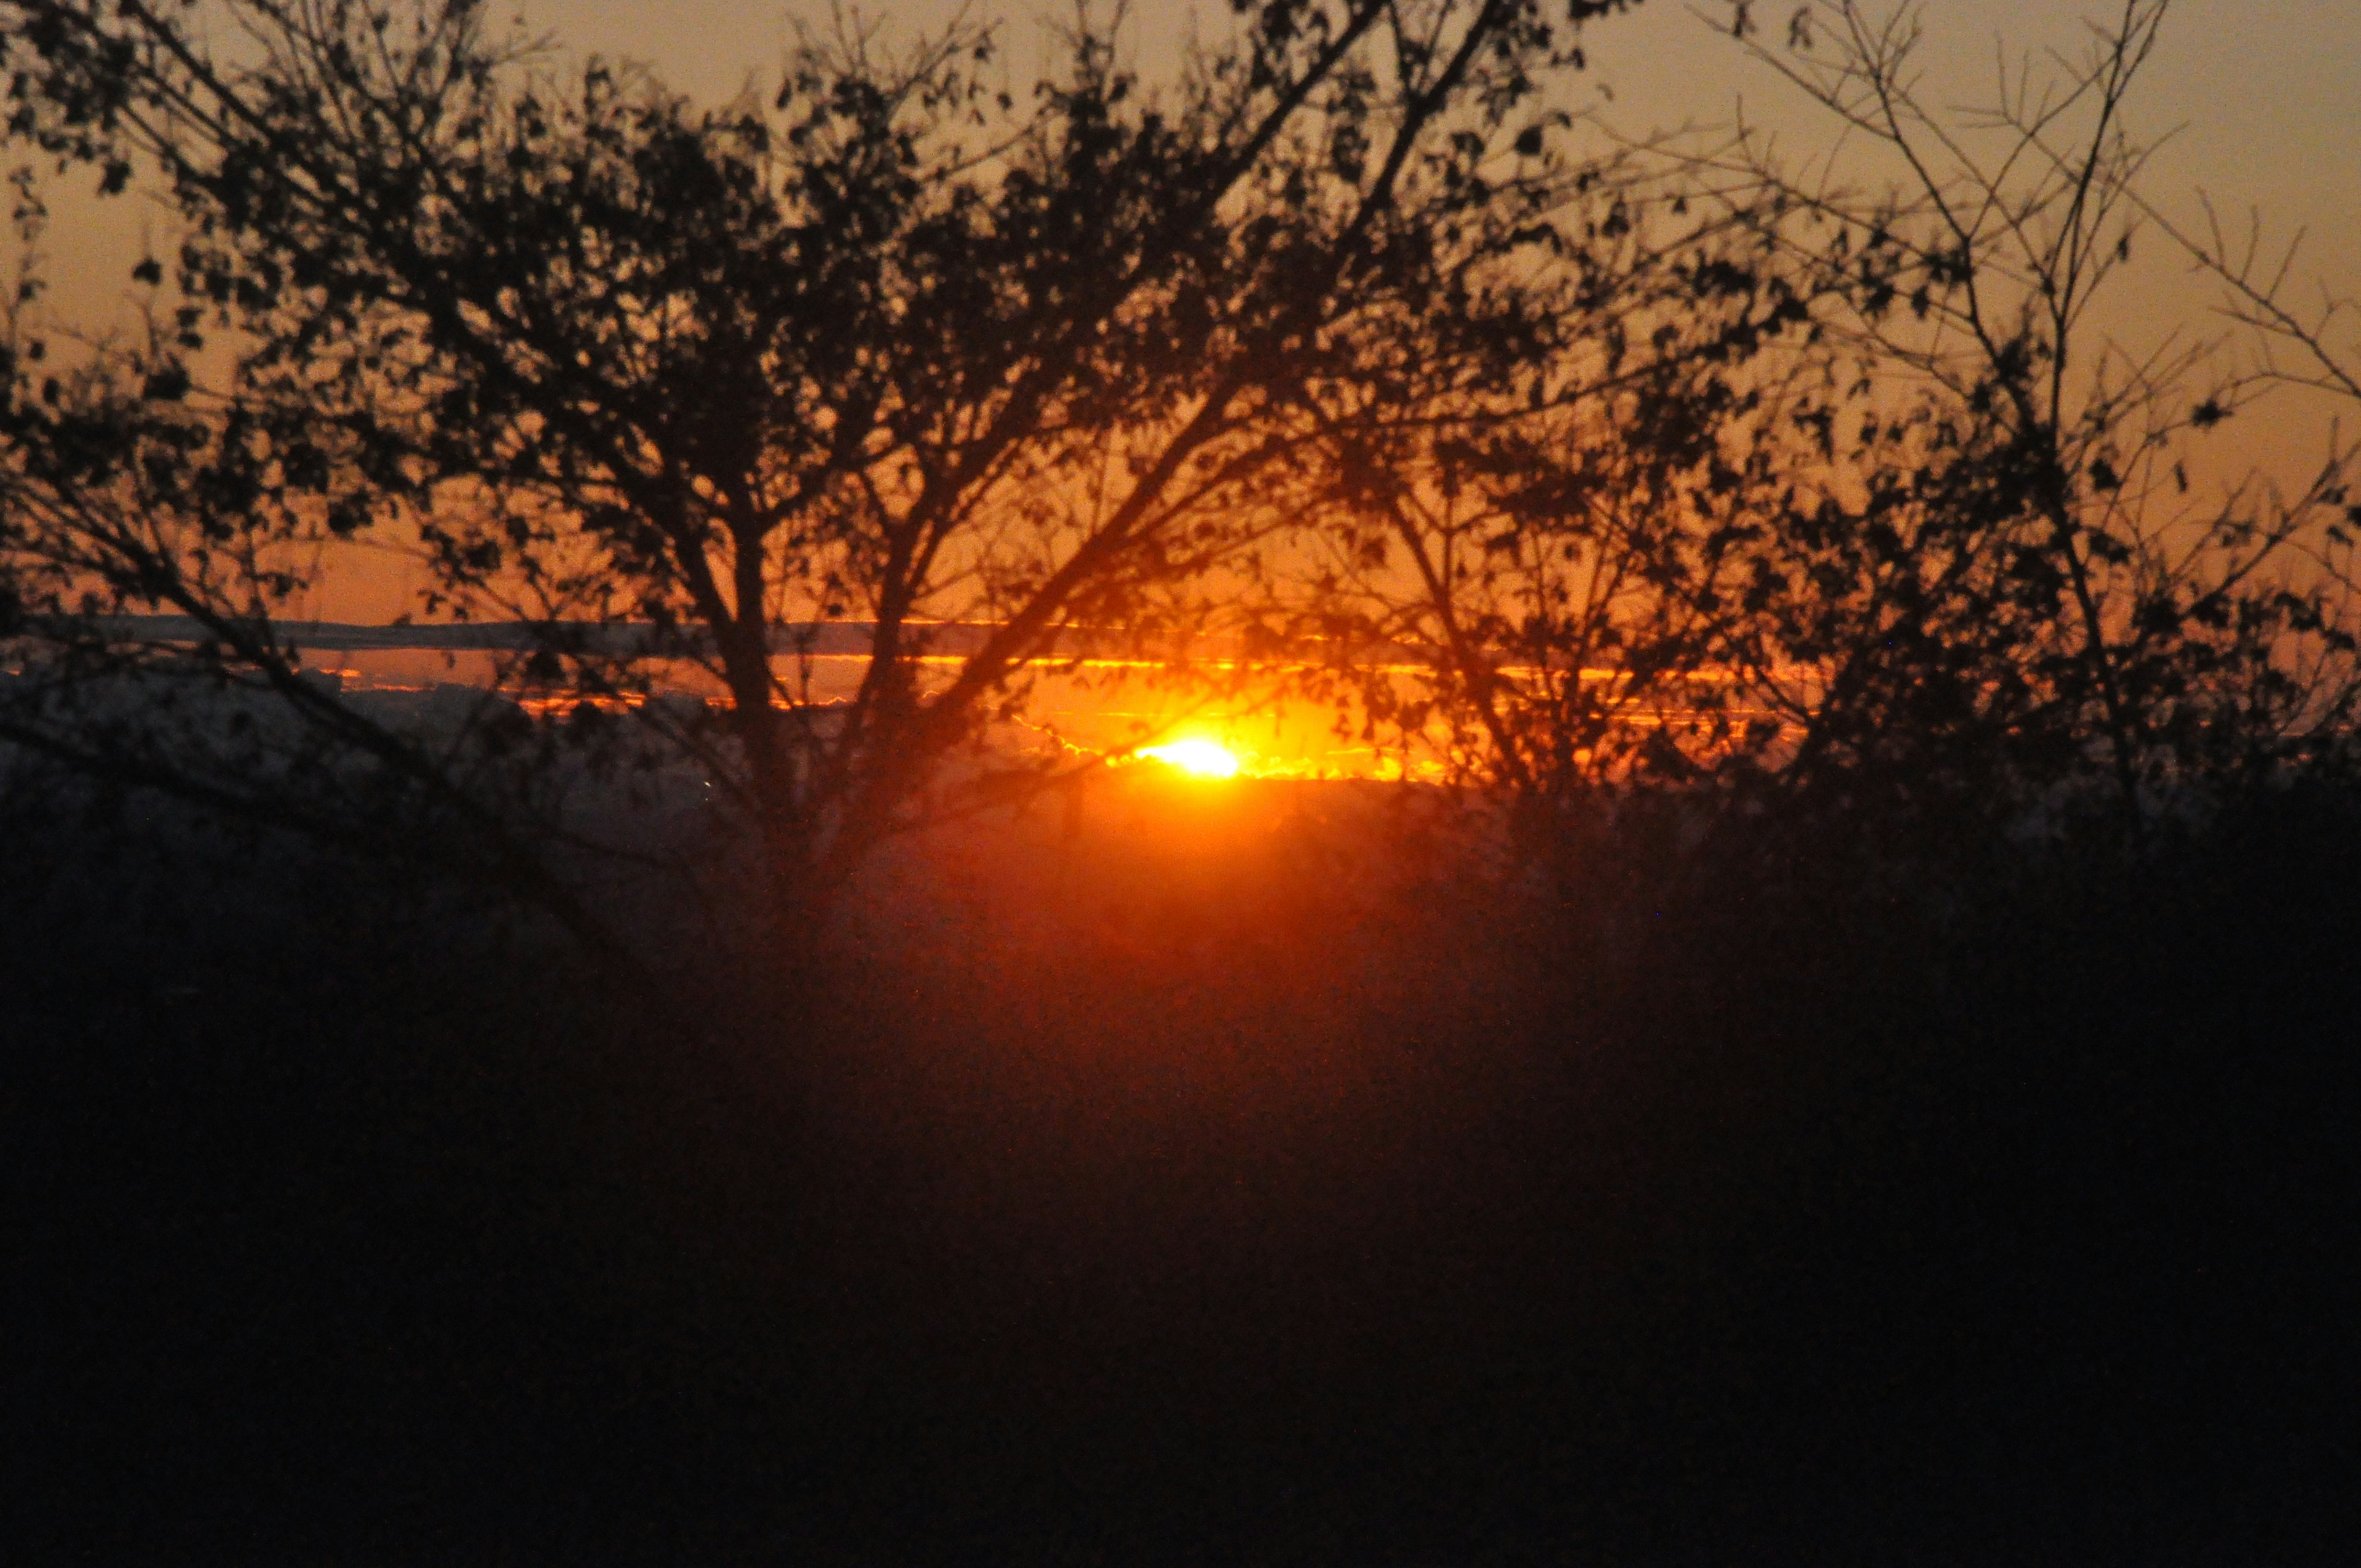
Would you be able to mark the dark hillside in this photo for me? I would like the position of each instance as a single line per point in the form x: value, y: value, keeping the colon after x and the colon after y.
x: 1221, y: 1176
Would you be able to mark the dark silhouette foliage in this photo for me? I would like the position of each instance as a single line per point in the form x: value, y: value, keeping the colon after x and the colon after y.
x: 1829, y: 499
x: 1133, y: 1216
x: 898, y: 348
x: 1340, y: 364
x: 1849, y: 1062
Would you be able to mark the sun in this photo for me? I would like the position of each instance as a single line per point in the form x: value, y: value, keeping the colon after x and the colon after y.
x: 1205, y: 759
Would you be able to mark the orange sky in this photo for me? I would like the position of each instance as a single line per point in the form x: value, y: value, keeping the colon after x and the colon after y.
x: 2265, y: 94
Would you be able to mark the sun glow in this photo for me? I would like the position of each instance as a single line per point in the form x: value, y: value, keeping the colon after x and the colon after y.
x: 1205, y: 759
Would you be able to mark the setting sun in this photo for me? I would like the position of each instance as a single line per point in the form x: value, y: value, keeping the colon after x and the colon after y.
x: 1205, y: 759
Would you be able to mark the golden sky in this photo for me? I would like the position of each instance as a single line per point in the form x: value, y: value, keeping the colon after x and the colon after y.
x: 2263, y: 99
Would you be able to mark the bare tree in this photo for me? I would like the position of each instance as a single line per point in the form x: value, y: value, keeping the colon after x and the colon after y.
x: 1542, y: 570
x: 1801, y: 493
x: 2314, y: 345
x: 2179, y: 635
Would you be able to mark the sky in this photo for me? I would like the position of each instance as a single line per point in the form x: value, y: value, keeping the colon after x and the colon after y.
x: 2260, y: 102
x: 2265, y: 93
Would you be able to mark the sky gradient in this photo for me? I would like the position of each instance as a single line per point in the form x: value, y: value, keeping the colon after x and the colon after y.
x: 2261, y: 103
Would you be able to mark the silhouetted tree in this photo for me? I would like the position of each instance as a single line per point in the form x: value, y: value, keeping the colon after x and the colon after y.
x: 970, y: 372
x: 1818, y: 499
x: 2092, y: 605
x: 1550, y: 549
x: 1569, y: 475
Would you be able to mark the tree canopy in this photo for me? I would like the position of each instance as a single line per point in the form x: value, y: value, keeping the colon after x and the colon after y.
x: 899, y: 345
x: 1346, y: 353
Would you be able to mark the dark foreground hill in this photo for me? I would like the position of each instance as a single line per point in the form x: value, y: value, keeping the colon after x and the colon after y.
x: 1256, y: 1176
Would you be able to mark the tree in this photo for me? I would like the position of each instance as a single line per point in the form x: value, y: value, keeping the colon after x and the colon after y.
x: 1819, y: 499
x: 897, y: 352
x: 1527, y: 559
x: 2178, y: 642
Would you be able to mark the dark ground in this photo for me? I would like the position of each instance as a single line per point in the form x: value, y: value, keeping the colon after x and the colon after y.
x: 1243, y: 1180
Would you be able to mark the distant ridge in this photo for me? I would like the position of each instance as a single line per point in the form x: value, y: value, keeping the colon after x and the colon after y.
x: 839, y: 637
